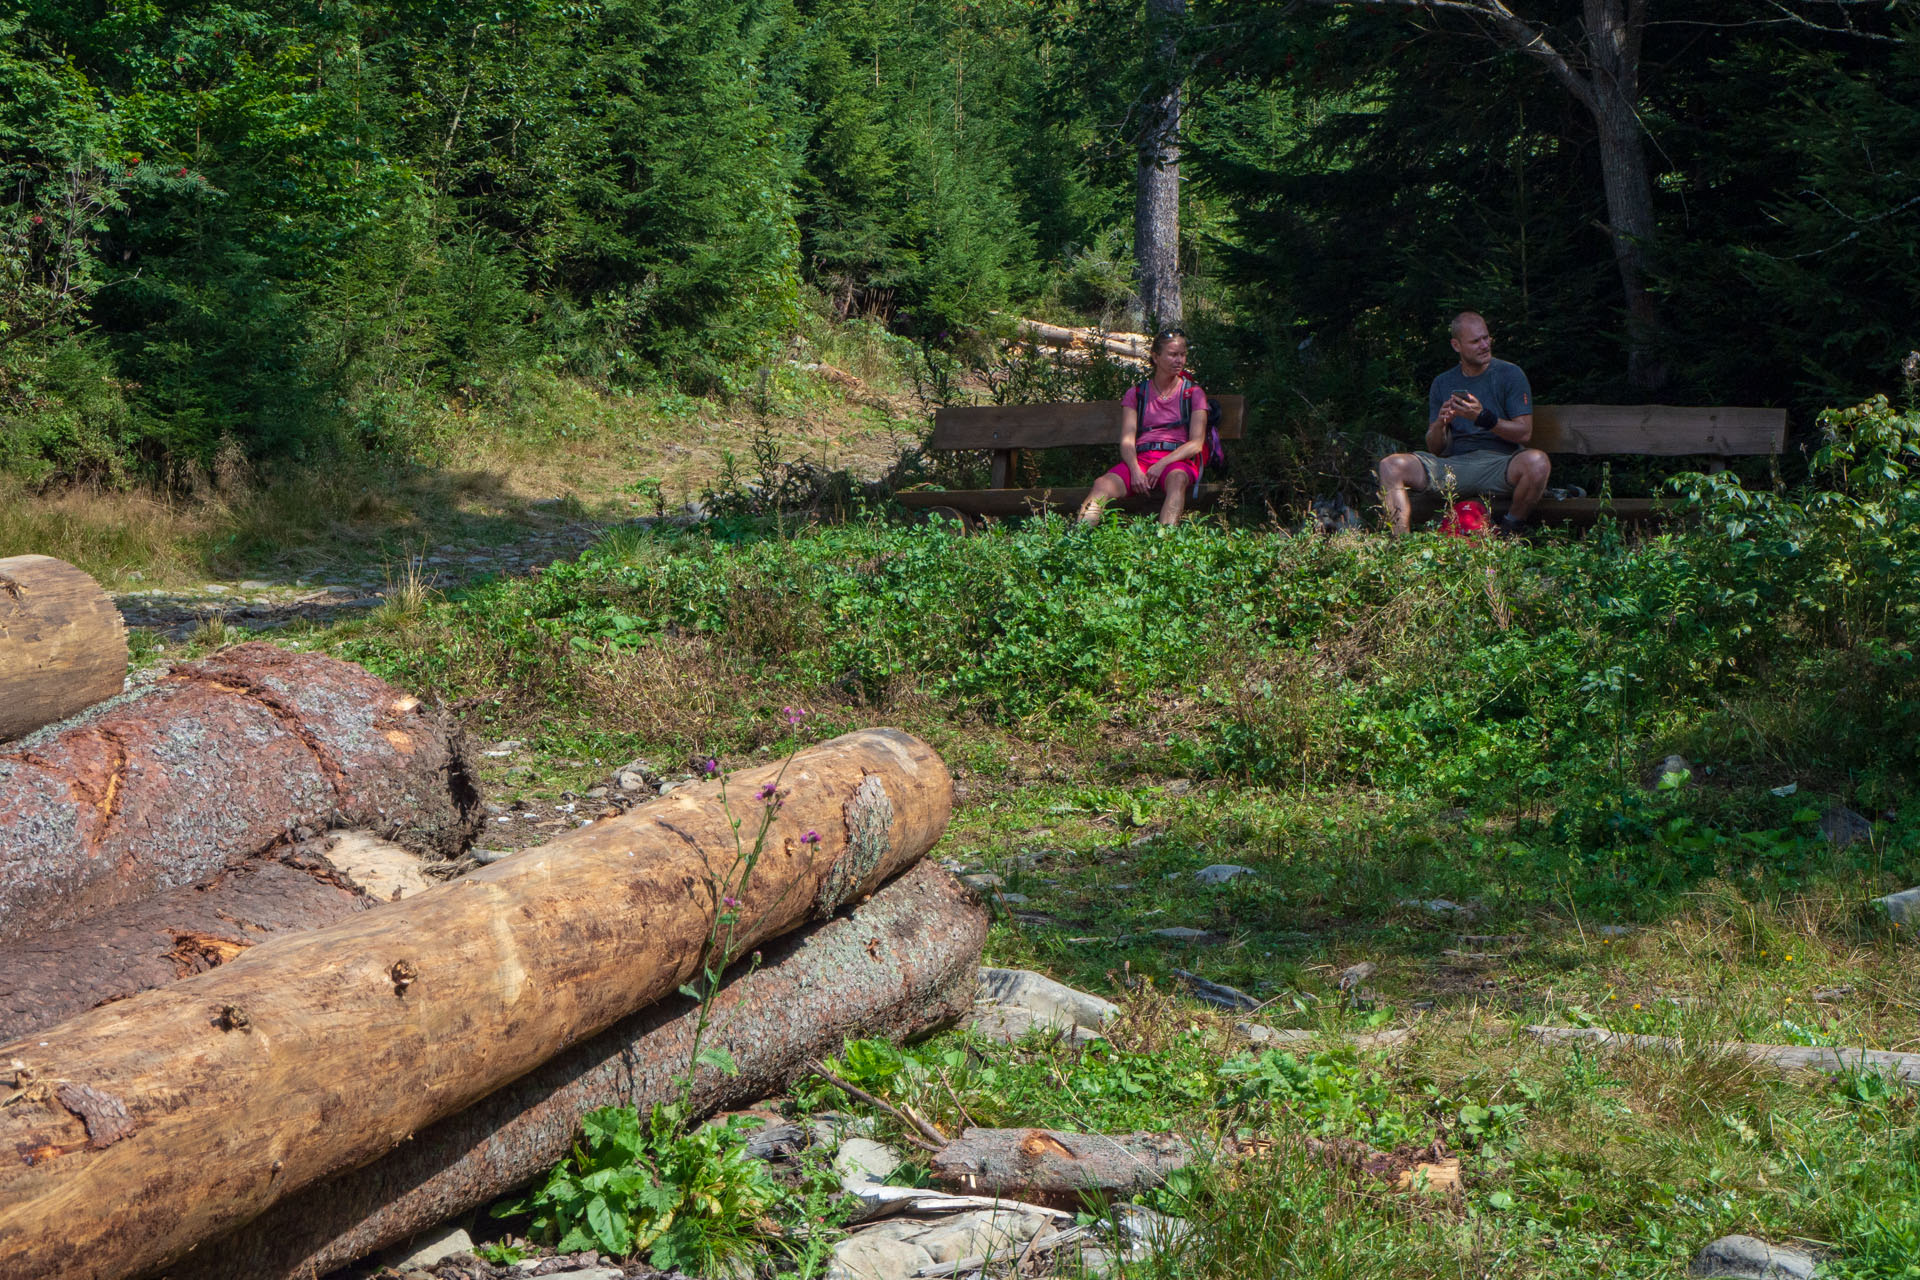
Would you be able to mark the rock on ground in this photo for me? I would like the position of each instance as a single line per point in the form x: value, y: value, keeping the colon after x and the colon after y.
x: 1221, y: 872
x: 430, y: 1247
x: 1842, y: 826
x: 861, y: 1160
x: 1745, y: 1258
x: 1902, y: 908
x: 1050, y: 1004
x: 872, y: 1255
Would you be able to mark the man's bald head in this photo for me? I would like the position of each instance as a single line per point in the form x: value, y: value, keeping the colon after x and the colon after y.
x: 1473, y: 342
x: 1460, y: 321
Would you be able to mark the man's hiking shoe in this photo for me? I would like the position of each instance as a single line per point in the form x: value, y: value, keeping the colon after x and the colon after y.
x: 1508, y: 527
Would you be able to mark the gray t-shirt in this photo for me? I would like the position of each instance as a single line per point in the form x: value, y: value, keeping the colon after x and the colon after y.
x: 1501, y: 388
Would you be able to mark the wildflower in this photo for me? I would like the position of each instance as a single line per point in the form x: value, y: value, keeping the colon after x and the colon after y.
x: 709, y: 766
x: 730, y: 901
x: 37, y: 219
x: 765, y: 792
x: 182, y: 173
x: 793, y: 716
x: 1789, y: 955
x: 1636, y: 1004
x: 812, y: 837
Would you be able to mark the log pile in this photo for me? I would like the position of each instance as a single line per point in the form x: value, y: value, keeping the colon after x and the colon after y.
x: 241, y: 1040
x: 193, y: 1108
x: 1082, y: 345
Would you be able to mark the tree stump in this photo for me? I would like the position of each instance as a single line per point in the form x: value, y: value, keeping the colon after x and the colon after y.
x: 62, y: 644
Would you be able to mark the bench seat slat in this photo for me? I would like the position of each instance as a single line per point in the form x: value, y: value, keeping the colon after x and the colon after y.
x: 1009, y: 503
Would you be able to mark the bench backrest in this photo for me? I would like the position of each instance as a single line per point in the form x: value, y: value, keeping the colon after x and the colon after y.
x: 1047, y: 426
x: 1658, y: 430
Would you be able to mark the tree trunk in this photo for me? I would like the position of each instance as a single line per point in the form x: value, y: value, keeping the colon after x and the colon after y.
x: 1156, y: 203
x: 1614, y: 31
x: 898, y: 966
x: 181, y: 1113
x: 210, y: 765
x: 62, y: 645
x: 53, y: 976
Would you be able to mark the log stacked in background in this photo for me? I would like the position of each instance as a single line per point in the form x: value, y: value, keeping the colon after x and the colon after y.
x: 150, y: 1125
x: 214, y: 763
x: 62, y: 644
x: 900, y: 965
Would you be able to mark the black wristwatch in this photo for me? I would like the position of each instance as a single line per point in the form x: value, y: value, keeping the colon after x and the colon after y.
x: 1487, y: 420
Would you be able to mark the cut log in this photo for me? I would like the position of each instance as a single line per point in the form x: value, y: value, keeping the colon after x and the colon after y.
x: 62, y: 644
x: 212, y: 764
x: 226, y: 1092
x: 898, y: 966
x: 1041, y: 1162
x: 55, y: 975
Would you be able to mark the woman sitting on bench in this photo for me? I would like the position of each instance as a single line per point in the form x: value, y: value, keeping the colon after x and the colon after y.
x: 1161, y: 443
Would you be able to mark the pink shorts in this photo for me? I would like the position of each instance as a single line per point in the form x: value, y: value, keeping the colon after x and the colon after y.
x: 1189, y: 465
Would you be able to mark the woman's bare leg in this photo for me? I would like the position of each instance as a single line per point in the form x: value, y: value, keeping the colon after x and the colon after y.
x: 1175, y: 504
x: 1105, y: 490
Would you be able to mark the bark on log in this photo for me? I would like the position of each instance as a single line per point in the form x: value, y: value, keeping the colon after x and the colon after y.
x: 1040, y: 1162
x: 155, y: 1123
x: 62, y: 644
x: 210, y: 765
x: 900, y: 965
x: 53, y: 976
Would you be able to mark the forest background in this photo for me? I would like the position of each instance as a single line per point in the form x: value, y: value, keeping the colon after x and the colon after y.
x: 285, y: 232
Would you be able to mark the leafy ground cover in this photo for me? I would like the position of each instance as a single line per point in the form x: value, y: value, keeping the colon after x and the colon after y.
x: 1368, y: 725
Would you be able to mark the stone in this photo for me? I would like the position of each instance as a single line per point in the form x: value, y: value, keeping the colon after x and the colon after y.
x: 971, y: 1235
x: 1745, y: 1258
x: 871, y: 1256
x: 1216, y: 993
x: 430, y: 1247
x: 1221, y: 872
x: 1672, y: 767
x: 862, y: 1160
x: 1353, y: 975
x: 1012, y: 899
x: 1181, y: 933
x: 1051, y: 1003
x: 629, y: 780
x: 983, y: 881
x: 487, y: 857
x: 1178, y: 787
x: 1141, y: 842
x: 1902, y: 908
x: 1842, y: 826
x: 1614, y: 932
x: 1439, y: 907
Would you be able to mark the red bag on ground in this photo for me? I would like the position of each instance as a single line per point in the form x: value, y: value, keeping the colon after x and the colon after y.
x: 1466, y: 518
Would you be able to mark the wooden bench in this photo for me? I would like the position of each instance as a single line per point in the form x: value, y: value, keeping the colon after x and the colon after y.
x: 1637, y: 430
x: 1006, y: 430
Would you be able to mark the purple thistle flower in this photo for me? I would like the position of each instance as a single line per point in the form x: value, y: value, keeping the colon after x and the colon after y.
x: 731, y: 902
x: 812, y: 837
x: 709, y: 766
x: 793, y: 716
x: 765, y: 792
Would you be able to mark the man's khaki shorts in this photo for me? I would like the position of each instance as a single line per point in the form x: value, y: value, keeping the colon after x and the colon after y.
x: 1469, y: 474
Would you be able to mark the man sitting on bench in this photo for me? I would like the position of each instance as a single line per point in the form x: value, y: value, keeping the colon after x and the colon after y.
x: 1479, y: 417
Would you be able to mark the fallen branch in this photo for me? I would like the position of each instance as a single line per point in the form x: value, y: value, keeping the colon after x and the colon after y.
x: 1904, y: 1067
x: 326, y: 1050
x: 926, y: 1136
x: 1044, y: 1162
x: 898, y: 966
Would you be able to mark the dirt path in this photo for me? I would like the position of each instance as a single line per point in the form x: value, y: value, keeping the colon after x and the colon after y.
x: 265, y: 604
